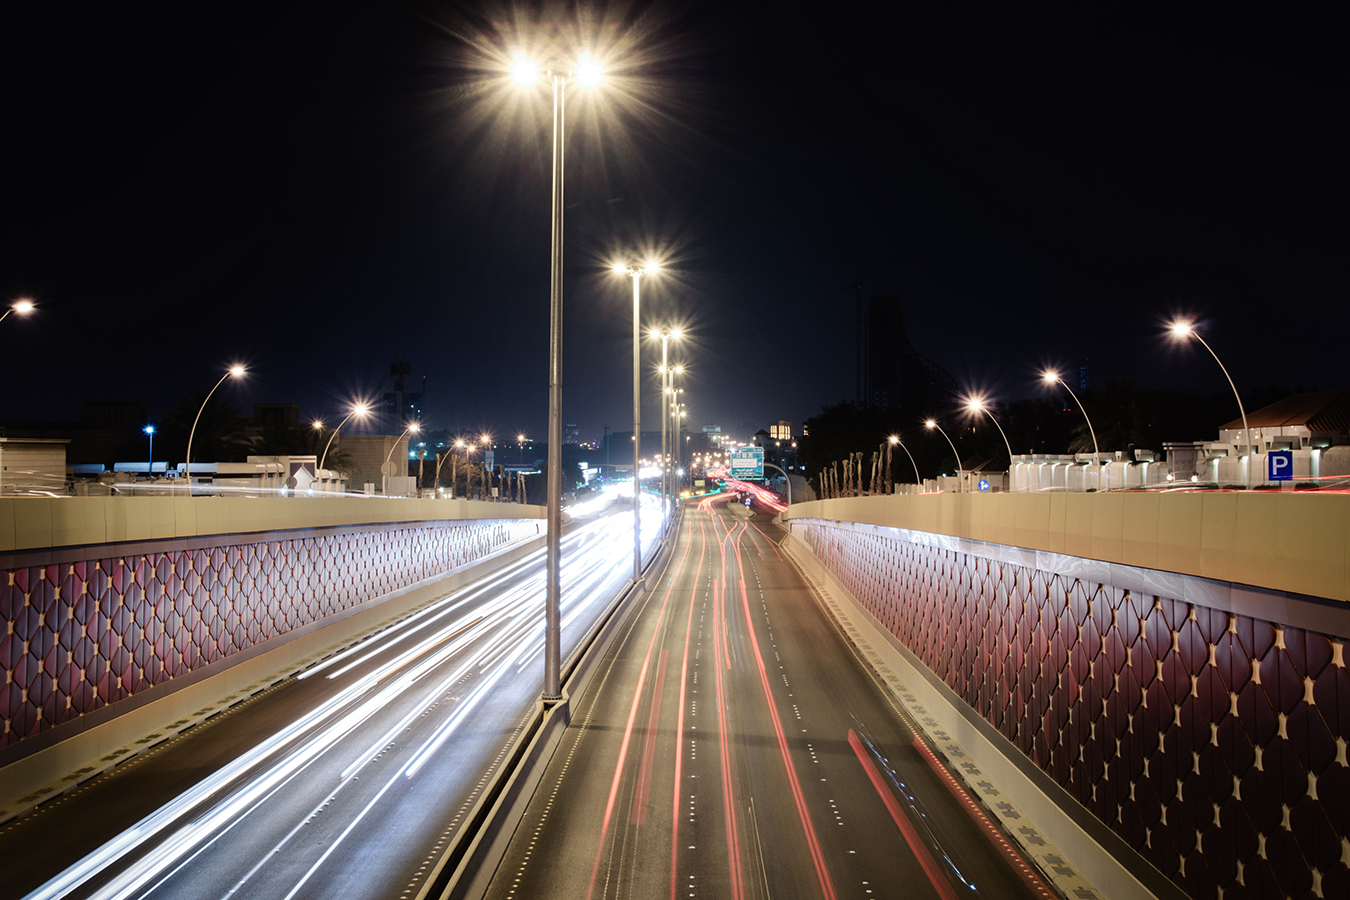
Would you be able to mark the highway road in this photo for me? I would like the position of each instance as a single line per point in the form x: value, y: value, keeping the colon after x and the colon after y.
x: 344, y: 781
x: 735, y: 747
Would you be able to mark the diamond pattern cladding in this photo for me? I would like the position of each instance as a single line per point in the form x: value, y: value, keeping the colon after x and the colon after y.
x: 79, y: 636
x: 1213, y: 743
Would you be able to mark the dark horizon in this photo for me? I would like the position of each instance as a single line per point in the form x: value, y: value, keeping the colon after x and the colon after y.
x: 313, y: 196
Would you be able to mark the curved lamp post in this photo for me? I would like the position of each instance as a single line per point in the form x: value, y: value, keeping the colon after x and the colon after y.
x: 1183, y: 330
x: 931, y: 424
x: 977, y: 404
x: 636, y: 272
x: 359, y: 410
x: 412, y: 428
x: 1050, y: 376
x: 23, y: 307
x: 895, y: 440
x: 526, y: 74
x: 235, y: 371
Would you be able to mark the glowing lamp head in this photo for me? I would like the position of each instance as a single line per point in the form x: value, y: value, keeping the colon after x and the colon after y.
x: 236, y: 371
x: 149, y: 429
x: 486, y: 438
x: 930, y: 424
x: 893, y: 439
x: 524, y: 72
x: 1182, y: 329
x: 620, y: 269
x: 675, y: 334
x: 459, y: 444
x: 521, y: 438
x: 22, y: 307
x: 414, y: 428
x: 360, y: 410
x: 590, y: 73
x: 975, y: 404
x: 1050, y: 377
x: 317, y: 424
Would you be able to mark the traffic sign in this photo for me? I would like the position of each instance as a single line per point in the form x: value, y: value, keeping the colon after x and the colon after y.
x: 1280, y: 465
x: 747, y: 463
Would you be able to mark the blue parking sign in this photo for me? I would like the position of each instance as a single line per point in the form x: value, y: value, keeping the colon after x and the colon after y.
x: 1280, y: 465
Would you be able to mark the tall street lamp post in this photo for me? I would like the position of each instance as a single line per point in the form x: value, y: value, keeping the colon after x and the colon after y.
x: 235, y: 371
x: 930, y: 425
x: 359, y: 411
x: 895, y: 440
x: 1184, y: 330
x: 22, y: 307
x: 1050, y: 376
x: 527, y: 74
x: 636, y: 272
x: 977, y: 404
x: 412, y: 428
x: 150, y: 469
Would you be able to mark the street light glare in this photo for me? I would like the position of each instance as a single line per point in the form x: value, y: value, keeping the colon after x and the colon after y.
x: 149, y: 429
x: 1182, y: 329
x: 23, y: 307
x: 237, y: 371
x: 1050, y: 377
x: 930, y: 424
x: 524, y: 72
x: 894, y: 439
x: 414, y: 428
x: 975, y: 403
x: 317, y: 424
x: 589, y: 73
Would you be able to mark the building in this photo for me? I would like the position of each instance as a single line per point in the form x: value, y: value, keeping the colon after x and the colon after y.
x: 32, y: 465
x: 892, y: 374
x: 1314, y: 426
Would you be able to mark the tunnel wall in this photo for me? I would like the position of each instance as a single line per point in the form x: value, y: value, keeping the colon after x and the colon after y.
x: 1204, y: 722
x: 85, y: 627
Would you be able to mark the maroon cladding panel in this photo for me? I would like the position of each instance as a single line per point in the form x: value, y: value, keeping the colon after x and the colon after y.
x: 1213, y: 743
x: 80, y: 636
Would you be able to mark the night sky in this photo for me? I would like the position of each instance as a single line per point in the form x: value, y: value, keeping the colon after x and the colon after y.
x: 314, y: 188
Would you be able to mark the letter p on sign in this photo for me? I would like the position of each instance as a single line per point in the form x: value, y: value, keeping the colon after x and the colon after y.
x: 1280, y: 465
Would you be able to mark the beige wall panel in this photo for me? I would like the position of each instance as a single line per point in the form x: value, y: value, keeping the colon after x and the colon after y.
x: 1284, y: 540
x: 37, y: 523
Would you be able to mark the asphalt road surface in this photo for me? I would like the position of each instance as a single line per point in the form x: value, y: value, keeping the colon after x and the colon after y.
x: 735, y: 747
x: 342, y: 782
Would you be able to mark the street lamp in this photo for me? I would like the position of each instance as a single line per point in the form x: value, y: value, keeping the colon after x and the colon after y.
x: 526, y: 74
x: 23, y: 307
x: 636, y: 272
x: 1183, y: 330
x: 930, y: 425
x: 520, y: 442
x: 234, y: 371
x: 150, y: 469
x: 895, y: 441
x: 977, y: 404
x: 413, y: 428
x: 1050, y: 376
x: 359, y: 410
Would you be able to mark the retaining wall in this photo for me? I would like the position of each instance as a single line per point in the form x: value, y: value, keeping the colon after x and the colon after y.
x: 1205, y: 721
x: 87, y: 625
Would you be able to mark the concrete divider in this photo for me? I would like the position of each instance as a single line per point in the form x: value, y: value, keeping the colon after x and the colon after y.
x: 466, y: 868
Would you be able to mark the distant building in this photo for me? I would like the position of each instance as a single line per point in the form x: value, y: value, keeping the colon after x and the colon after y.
x: 893, y: 374
x: 571, y: 434
x: 1315, y: 426
x: 713, y: 435
x: 32, y: 465
x: 782, y: 431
